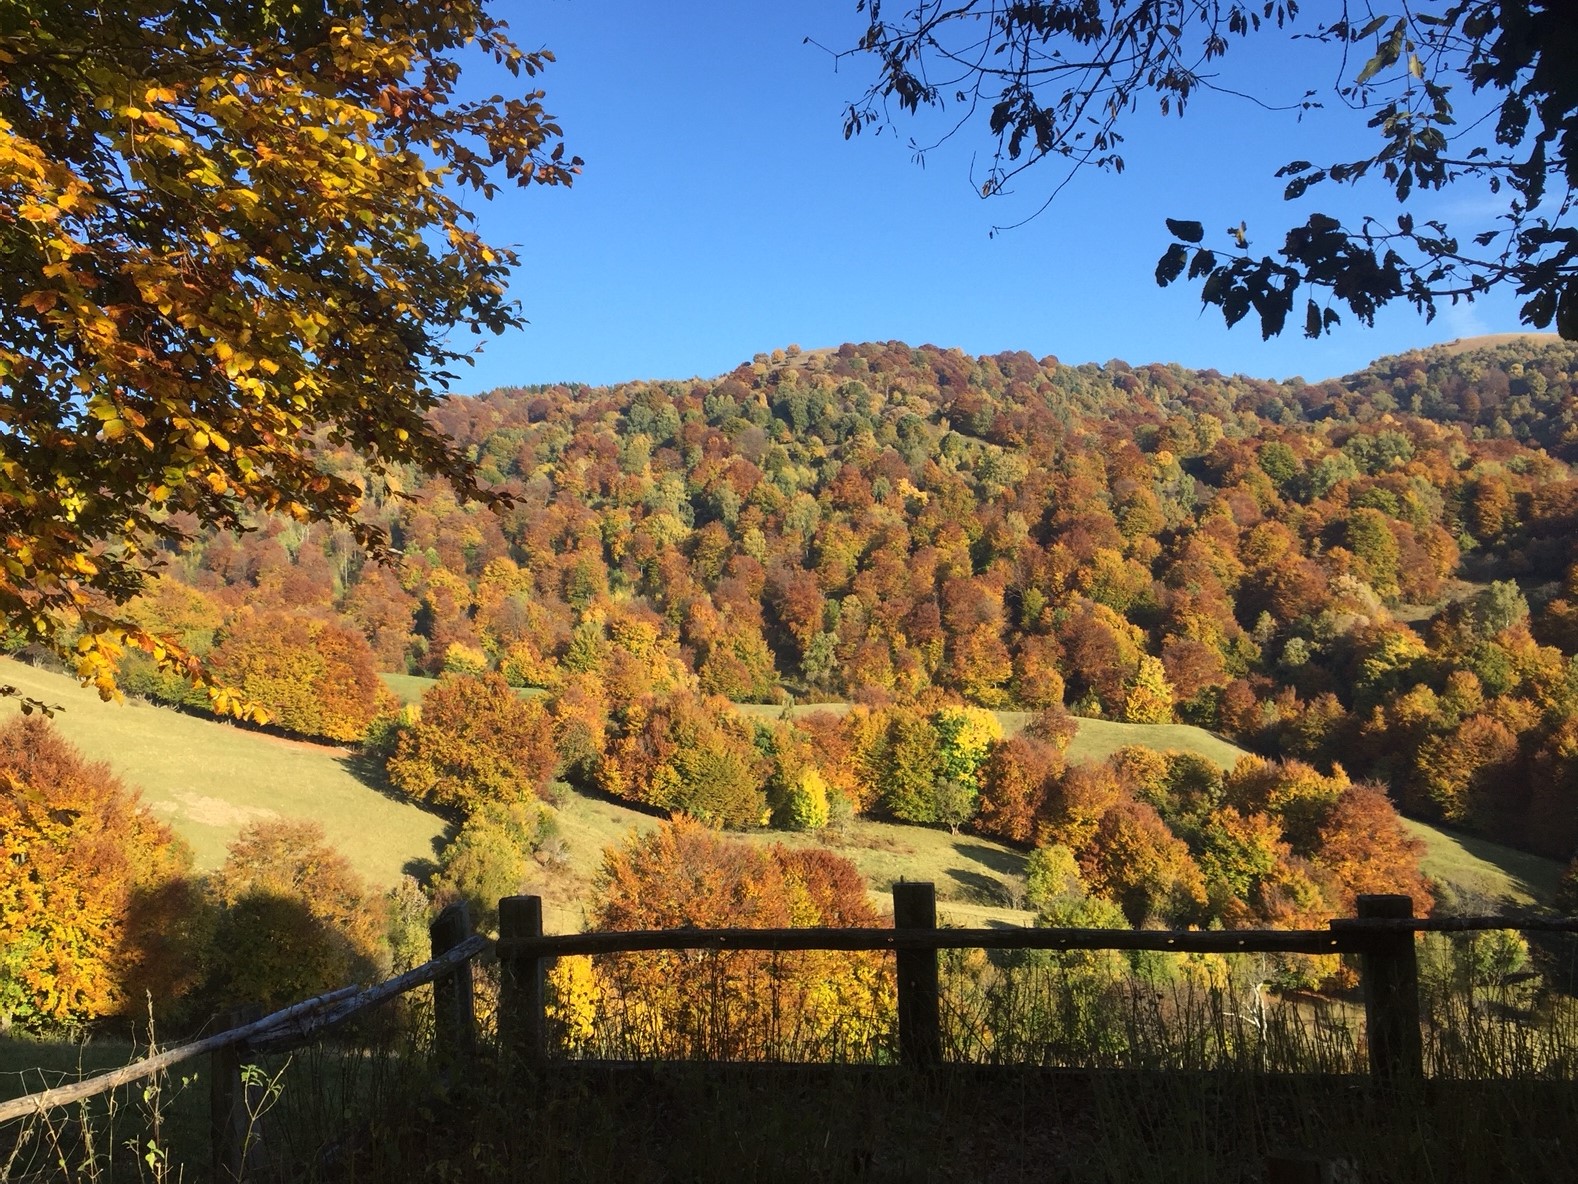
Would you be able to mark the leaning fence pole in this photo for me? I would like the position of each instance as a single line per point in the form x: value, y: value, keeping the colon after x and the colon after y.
x: 920, y: 1020
x: 523, y: 999
x: 454, y: 1007
x: 1389, y: 967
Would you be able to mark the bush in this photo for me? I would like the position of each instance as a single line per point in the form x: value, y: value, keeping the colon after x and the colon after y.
x: 491, y: 858
x: 294, y: 919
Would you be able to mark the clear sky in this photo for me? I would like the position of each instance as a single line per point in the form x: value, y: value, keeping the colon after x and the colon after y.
x: 721, y: 212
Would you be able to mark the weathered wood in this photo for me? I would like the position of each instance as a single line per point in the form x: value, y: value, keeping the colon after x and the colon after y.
x: 454, y: 1004
x: 64, y: 1095
x: 920, y: 1021
x: 1389, y: 970
x: 229, y: 1119
x: 1221, y: 941
x: 295, y: 1031
x: 523, y: 988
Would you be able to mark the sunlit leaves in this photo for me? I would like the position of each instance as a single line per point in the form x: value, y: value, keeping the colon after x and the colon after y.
x: 226, y: 232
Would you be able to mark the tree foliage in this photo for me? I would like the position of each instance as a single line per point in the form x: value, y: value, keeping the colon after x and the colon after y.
x: 682, y: 1005
x: 229, y: 232
x: 475, y: 741
x: 95, y: 899
x: 294, y: 918
x: 1466, y: 93
x: 311, y: 676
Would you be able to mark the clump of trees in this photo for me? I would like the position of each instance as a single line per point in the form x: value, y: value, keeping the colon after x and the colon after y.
x: 812, y: 1004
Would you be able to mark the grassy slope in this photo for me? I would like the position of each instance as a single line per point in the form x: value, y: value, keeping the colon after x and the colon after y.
x: 1483, y: 873
x: 978, y: 881
x: 1096, y: 739
x: 209, y: 779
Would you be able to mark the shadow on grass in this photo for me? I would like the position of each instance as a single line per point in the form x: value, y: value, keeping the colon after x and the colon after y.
x: 980, y: 888
x: 1007, y: 863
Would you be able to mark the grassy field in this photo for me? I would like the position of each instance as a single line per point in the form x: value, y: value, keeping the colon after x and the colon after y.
x: 209, y: 779
x: 1482, y: 872
x: 1096, y: 739
x: 408, y: 688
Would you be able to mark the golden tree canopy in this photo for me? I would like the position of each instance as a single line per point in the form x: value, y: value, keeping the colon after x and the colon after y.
x: 232, y: 233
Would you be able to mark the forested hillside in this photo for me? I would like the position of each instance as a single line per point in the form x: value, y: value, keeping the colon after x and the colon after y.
x: 1370, y: 582
x: 1376, y: 570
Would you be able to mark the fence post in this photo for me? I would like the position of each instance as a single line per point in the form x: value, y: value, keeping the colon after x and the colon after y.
x: 228, y: 1117
x: 454, y: 1008
x: 920, y: 1023
x: 1389, y: 967
x: 523, y: 1017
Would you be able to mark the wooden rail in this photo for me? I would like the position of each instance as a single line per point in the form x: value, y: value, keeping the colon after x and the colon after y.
x: 454, y: 946
x: 1382, y: 934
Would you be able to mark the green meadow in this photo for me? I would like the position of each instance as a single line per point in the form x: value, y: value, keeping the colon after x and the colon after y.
x: 208, y: 779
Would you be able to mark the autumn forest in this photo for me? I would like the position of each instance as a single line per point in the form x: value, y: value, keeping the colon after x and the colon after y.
x: 1370, y: 583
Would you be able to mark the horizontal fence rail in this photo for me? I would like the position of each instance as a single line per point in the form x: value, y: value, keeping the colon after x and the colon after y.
x: 1382, y: 935
x: 1204, y: 941
x: 454, y: 946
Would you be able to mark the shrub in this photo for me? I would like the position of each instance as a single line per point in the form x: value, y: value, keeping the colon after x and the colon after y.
x: 294, y: 918
x: 491, y: 858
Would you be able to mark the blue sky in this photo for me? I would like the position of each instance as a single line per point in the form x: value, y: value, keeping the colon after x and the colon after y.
x: 721, y: 213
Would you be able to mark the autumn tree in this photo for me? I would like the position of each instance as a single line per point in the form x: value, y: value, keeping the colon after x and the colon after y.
x: 1014, y: 782
x: 295, y: 919
x: 1362, y: 847
x: 475, y: 741
x: 96, y: 904
x: 1134, y: 860
x: 688, y: 754
x: 810, y: 1004
x: 312, y: 676
x: 232, y: 232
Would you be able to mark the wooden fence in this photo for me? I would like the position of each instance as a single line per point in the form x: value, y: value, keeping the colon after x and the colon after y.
x: 1382, y: 935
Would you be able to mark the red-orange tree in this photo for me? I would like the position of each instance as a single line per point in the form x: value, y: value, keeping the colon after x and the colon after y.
x: 745, y: 1003
x: 312, y: 676
x: 94, y: 899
